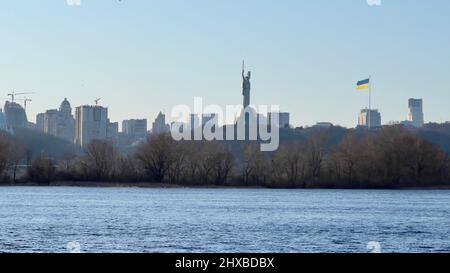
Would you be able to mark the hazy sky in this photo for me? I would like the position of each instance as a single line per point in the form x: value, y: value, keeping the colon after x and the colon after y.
x: 143, y: 56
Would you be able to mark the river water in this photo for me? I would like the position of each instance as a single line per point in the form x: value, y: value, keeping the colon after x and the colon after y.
x: 64, y: 219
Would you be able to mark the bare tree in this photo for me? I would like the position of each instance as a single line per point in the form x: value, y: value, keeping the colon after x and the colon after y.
x: 349, y: 154
x: 250, y: 153
x: 67, y: 166
x: 42, y: 170
x: 191, y: 173
x: 99, y: 161
x: 206, y: 162
x: 179, y: 162
x: 316, y: 151
x: 4, y: 154
x: 262, y: 168
x: 222, y: 162
x: 127, y: 170
x: 216, y: 163
x: 289, y: 164
x: 156, y: 156
x: 11, y: 154
x: 254, y: 165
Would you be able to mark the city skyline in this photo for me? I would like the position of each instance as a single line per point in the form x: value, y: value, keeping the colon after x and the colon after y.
x: 307, y: 61
x: 415, y: 118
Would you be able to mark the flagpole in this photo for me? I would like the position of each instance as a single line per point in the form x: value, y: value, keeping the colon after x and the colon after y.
x: 370, y: 101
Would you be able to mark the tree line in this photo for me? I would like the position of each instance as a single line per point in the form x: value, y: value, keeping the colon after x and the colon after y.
x: 391, y: 157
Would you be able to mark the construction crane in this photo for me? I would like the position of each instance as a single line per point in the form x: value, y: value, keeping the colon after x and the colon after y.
x: 25, y: 101
x: 14, y: 94
x: 97, y: 100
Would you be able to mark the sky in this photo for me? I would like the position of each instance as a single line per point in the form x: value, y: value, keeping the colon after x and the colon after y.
x: 142, y: 57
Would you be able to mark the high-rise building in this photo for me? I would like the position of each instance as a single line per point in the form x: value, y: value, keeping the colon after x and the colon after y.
x: 51, y: 122
x: 135, y: 128
x: 40, y: 120
x: 91, y: 124
x: 367, y: 115
x: 160, y: 126
x: 2, y: 120
x: 283, y: 119
x: 66, y: 122
x: 15, y: 115
x: 112, y: 132
x: 59, y: 123
x: 415, y: 115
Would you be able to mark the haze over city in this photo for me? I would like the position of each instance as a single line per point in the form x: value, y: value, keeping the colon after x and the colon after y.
x: 306, y: 56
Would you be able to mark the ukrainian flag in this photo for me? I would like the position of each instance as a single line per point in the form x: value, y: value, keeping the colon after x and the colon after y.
x: 362, y: 85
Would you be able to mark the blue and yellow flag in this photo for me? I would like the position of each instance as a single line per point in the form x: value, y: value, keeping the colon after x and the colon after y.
x: 362, y: 85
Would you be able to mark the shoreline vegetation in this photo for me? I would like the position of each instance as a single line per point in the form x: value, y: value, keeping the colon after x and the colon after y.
x: 152, y: 185
x: 391, y: 157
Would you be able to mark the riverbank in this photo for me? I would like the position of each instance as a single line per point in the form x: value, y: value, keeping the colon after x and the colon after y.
x: 94, y: 184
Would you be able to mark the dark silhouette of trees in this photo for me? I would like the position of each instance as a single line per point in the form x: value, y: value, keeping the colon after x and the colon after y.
x: 127, y: 169
x: 222, y: 164
x: 349, y: 154
x: 99, y: 161
x: 156, y: 156
x: 390, y: 157
x: 192, y: 163
x: 256, y: 165
x: 4, y: 154
x: 262, y: 169
x: 215, y: 163
x: 42, y: 170
x: 12, y: 152
x: 248, y: 166
x: 315, y: 154
x: 289, y: 164
x: 178, y: 163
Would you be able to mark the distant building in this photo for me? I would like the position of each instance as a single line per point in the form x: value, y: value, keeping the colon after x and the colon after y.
x: 284, y: 119
x: 249, y: 116
x: 112, y: 132
x: 323, y: 125
x: 194, y: 121
x: 51, y: 122
x: 15, y: 115
x: 415, y: 115
x: 262, y: 119
x: 194, y: 125
x: 3, y: 125
x: 59, y: 123
x: 210, y: 119
x: 373, y: 115
x: 207, y: 118
x: 91, y: 123
x: 135, y: 128
x: 178, y: 126
x: 160, y: 126
x: 40, y: 120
